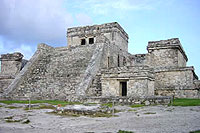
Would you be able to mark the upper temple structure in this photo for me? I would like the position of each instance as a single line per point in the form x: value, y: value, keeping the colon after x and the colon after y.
x: 96, y: 64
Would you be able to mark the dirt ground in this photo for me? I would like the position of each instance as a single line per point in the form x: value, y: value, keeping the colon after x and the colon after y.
x: 148, y: 119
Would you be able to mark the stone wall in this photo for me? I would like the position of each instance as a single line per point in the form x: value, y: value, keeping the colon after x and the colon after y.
x: 100, y: 67
x: 167, y: 53
x: 113, y: 31
x: 177, y: 82
x: 140, y: 81
x: 140, y: 60
x: 55, y: 73
x: 181, y: 78
x: 11, y: 64
x: 149, y: 100
x: 187, y: 93
x: 5, y: 81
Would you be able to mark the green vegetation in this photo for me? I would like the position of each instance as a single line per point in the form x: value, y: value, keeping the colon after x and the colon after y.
x: 12, y: 107
x: 185, y: 102
x: 122, y: 131
x: 107, y: 104
x: 42, y: 106
x: 136, y: 105
x: 198, y: 131
x: 10, y: 120
x: 53, y: 102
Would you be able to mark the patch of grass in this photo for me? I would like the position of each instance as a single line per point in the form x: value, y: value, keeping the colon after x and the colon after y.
x: 1, y: 106
x: 136, y: 105
x: 123, y: 131
x: 53, y: 102
x: 198, y: 131
x: 134, y: 110
x: 149, y: 113
x: 117, y: 111
x: 186, y: 102
x: 12, y: 107
x: 8, y: 117
x: 42, y: 107
x: 10, y: 120
x: 107, y: 104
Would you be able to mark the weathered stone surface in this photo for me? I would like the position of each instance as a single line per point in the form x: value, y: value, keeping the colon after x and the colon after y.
x: 96, y: 63
x: 112, y: 31
x: 11, y: 63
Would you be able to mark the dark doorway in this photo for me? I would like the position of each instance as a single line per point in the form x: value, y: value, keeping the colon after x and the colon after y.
x: 91, y: 40
x: 83, y: 41
x: 123, y: 86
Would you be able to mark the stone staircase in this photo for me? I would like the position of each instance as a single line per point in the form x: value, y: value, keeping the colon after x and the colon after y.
x: 56, y: 73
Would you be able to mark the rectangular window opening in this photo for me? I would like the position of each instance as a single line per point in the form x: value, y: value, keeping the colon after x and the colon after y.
x: 91, y: 40
x: 118, y: 61
x: 108, y: 63
x: 83, y: 41
x: 124, y: 61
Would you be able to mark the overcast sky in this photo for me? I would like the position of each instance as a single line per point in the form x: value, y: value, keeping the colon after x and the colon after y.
x: 25, y: 23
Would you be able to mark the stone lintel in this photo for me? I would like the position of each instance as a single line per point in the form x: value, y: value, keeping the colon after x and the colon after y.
x: 173, y: 43
x: 129, y: 72
x: 11, y: 57
x: 127, y: 69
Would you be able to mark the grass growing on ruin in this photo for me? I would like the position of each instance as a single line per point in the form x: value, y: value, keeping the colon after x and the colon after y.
x: 12, y: 107
x: 198, y: 131
x: 42, y: 107
x: 185, y: 102
x: 123, y: 131
x: 136, y: 105
x: 107, y: 104
x: 53, y: 102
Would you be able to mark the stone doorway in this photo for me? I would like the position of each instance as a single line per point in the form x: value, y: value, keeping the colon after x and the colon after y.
x: 123, y: 88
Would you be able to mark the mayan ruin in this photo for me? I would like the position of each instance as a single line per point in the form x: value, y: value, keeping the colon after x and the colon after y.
x: 96, y: 64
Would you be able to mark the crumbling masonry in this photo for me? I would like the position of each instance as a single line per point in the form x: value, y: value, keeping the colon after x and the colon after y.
x: 96, y: 63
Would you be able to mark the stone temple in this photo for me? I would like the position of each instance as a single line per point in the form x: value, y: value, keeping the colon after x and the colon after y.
x: 96, y: 64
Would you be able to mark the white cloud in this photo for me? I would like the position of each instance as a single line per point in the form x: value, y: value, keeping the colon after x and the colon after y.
x: 34, y: 20
x: 25, y: 23
x: 7, y: 46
